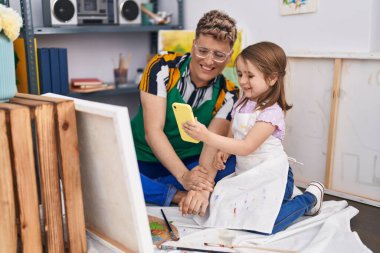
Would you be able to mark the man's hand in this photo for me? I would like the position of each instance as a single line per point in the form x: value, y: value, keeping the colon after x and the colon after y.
x: 220, y: 160
x: 197, y: 179
x: 195, y: 202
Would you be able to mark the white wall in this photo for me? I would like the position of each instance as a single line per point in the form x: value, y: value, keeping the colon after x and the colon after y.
x: 337, y: 26
x: 375, y: 40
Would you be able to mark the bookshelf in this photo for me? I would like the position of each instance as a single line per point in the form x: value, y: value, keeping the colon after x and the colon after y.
x: 29, y: 32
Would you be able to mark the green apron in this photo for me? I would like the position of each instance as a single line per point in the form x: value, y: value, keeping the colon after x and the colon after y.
x: 204, y: 114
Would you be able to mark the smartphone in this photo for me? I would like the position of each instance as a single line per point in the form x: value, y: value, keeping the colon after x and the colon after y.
x: 183, y: 113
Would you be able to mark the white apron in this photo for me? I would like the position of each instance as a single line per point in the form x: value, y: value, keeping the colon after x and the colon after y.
x: 250, y: 198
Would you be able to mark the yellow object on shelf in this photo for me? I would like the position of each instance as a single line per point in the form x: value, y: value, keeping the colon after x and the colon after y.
x: 21, y: 68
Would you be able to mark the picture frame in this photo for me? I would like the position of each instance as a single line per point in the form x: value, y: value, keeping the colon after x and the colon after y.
x: 291, y: 7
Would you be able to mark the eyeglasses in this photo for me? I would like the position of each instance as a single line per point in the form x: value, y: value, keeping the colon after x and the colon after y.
x: 217, y: 56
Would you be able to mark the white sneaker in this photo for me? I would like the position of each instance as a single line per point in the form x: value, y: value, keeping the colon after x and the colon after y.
x: 317, y: 189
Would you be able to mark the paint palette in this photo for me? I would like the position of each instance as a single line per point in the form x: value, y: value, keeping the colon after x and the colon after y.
x: 159, y: 231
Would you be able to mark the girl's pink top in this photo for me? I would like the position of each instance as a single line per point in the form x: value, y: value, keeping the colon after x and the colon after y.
x: 272, y: 114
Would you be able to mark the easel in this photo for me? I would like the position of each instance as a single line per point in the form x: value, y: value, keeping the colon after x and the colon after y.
x: 50, y: 124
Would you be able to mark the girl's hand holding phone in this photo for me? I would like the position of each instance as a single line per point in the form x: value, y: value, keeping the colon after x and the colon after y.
x: 196, y: 130
x: 183, y: 113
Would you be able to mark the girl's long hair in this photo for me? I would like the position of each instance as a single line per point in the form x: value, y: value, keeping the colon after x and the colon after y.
x: 270, y: 59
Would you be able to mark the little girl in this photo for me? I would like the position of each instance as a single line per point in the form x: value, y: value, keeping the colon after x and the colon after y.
x: 257, y: 197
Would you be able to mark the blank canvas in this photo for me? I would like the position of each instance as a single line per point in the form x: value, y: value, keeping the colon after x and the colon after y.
x: 113, y: 198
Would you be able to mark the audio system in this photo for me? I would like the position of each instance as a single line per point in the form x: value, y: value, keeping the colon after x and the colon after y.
x: 129, y: 11
x: 86, y: 12
x: 97, y: 12
x: 59, y: 12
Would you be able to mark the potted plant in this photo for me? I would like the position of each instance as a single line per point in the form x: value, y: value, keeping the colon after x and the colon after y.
x: 10, y: 24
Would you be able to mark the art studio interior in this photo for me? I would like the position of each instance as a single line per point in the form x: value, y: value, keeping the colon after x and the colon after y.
x: 79, y: 77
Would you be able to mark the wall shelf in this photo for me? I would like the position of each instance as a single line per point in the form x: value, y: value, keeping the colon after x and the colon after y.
x: 130, y: 89
x: 102, y: 29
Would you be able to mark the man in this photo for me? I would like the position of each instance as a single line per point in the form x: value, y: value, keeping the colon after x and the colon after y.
x: 169, y: 166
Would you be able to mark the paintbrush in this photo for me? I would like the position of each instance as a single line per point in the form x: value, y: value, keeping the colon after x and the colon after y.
x: 171, y: 232
x: 166, y: 247
x: 157, y: 19
x: 249, y: 247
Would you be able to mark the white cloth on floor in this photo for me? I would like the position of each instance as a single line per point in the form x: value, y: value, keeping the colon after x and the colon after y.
x: 328, y: 231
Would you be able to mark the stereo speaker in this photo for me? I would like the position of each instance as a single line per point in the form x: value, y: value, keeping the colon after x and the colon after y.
x: 129, y: 11
x: 59, y: 12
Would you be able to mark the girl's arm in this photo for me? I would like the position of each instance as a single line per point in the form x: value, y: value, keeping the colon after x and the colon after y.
x: 220, y: 160
x: 255, y: 137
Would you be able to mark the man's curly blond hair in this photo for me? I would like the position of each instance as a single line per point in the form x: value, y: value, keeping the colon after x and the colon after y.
x: 219, y: 25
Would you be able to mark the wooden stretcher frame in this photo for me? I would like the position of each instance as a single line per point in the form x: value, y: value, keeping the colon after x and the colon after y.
x: 341, y: 67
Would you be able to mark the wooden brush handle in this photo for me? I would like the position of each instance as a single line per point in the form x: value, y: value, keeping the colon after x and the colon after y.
x: 150, y: 14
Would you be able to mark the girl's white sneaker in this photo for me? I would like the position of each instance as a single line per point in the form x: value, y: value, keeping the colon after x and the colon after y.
x: 317, y: 189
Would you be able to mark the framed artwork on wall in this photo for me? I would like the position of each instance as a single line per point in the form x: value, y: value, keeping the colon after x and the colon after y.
x: 291, y: 7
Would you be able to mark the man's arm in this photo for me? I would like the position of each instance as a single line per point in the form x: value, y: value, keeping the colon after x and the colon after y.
x: 219, y: 126
x: 154, y: 114
x: 196, y: 202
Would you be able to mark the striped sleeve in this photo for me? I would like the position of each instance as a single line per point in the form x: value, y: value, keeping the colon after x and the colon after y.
x: 228, y: 96
x: 157, y: 73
